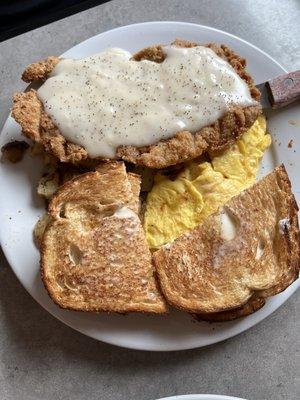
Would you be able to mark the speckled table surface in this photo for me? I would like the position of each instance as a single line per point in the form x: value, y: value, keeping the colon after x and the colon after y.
x: 40, y: 358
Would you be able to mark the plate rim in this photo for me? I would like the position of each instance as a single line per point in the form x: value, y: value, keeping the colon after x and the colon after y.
x: 116, y: 342
x: 201, y: 397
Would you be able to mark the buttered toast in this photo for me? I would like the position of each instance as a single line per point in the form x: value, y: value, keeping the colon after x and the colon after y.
x: 250, y: 247
x: 94, y: 255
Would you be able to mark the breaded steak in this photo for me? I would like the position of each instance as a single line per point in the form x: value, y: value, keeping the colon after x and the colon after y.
x: 183, y: 146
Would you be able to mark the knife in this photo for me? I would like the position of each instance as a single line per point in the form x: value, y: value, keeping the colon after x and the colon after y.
x: 280, y: 91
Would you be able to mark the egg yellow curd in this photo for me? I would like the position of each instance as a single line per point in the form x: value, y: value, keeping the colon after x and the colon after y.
x: 174, y: 207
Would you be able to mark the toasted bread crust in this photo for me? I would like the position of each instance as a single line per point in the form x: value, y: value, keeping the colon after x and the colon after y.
x: 86, y: 186
x: 91, y: 258
x: 204, y: 273
x: 37, y: 125
x: 253, y: 305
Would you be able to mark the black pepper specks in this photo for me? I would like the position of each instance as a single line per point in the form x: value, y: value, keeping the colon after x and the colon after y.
x: 107, y: 100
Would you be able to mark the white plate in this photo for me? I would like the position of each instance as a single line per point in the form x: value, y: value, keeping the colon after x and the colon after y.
x: 201, y: 397
x: 20, y: 206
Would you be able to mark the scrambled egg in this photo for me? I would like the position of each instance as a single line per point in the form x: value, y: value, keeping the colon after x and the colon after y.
x: 176, y: 206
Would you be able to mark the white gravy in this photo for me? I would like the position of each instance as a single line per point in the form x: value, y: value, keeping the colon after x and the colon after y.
x: 107, y: 100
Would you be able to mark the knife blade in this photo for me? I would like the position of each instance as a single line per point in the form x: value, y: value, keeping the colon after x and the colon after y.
x: 280, y: 91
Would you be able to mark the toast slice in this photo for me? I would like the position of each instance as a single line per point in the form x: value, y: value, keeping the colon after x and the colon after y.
x: 254, y: 304
x: 249, y: 247
x: 94, y: 256
x: 28, y: 111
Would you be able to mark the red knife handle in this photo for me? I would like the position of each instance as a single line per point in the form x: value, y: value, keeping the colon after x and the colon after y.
x: 284, y: 89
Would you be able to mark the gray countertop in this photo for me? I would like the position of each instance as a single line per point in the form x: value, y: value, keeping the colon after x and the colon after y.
x: 40, y: 358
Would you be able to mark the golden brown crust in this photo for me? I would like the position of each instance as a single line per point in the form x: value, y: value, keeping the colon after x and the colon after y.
x: 182, y: 147
x: 185, y: 145
x: 39, y: 229
x: 258, y: 300
x: 135, y: 183
x: 89, y: 186
x: 92, y: 258
x: 40, y: 70
x: 38, y: 126
x: 203, y: 272
x: 253, y: 305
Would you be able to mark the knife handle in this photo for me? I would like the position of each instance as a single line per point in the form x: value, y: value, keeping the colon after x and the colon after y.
x: 284, y: 89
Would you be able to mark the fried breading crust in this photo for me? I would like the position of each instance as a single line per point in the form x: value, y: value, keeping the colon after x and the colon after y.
x: 40, y: 70
x: 37, y: 125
